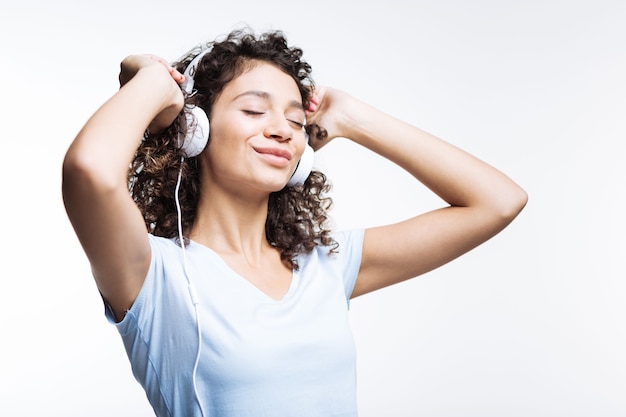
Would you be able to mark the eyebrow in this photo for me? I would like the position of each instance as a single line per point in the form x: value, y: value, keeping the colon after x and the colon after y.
x: 267, y: 96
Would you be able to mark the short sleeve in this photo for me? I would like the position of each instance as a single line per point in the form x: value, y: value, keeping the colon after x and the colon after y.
x: 349, y: 253
x: 129, y: 321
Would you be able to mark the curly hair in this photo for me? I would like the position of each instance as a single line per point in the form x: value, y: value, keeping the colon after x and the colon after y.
x: 297, y: 219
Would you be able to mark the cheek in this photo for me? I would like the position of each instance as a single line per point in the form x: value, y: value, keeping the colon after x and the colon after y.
x: 301, y: 144
x: 218, y: 151
x: 226, y: 150
x: 220, y: 137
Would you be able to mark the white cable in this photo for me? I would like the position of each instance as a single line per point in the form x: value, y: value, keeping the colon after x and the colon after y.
x: 192, y: 290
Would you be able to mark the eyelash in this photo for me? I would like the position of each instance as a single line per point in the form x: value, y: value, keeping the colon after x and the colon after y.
x: 300, y: 125
x: 258, y: 113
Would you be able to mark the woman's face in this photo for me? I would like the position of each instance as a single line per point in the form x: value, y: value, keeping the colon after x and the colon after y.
x: 257, y: 134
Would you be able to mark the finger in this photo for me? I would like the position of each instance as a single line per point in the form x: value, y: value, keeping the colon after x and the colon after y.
x: 176, y: 75
x: 312, y: 106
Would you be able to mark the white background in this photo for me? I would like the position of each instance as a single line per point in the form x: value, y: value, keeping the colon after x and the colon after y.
x: 532, y: 323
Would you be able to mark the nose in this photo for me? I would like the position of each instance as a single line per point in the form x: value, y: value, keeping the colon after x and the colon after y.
x: 278, y: 128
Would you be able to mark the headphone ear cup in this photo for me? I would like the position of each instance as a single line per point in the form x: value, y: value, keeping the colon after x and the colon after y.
x: 304, y: 167
x: 197, y: 136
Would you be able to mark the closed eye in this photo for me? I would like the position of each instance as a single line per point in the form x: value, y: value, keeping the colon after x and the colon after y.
x: 252, y: 112
x: 297, y: 124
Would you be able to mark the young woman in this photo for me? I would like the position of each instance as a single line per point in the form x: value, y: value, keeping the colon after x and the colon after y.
x: 219, y: 270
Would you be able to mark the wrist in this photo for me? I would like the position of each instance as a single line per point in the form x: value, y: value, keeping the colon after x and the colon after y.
x: 161, y: 95
x: 355, y: 120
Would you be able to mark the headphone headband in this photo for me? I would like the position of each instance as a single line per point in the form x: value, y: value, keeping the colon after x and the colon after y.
x: 190, y: 71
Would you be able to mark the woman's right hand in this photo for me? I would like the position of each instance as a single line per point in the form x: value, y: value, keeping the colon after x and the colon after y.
x: 174, y: 99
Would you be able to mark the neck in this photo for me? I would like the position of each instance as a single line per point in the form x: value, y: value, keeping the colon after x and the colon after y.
x: 231, y: 224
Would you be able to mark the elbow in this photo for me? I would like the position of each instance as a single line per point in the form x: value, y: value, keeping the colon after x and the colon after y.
x: 76, y: 170
x: 517, y: 202
x: 81, y: 173
x: 510, y: 204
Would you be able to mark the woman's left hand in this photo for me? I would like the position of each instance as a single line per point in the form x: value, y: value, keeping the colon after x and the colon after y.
x: 327, y: 115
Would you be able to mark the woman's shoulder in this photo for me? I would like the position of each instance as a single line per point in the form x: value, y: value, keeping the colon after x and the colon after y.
x: 163, y: 243
x: 345, y: 245
x: 346, y: 239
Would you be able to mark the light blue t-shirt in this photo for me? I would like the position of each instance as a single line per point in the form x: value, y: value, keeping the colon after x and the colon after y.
x: 259, y: 357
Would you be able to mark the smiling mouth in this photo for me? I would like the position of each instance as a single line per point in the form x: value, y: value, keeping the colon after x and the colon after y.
x: 279, y: 153
x: 275, y: 156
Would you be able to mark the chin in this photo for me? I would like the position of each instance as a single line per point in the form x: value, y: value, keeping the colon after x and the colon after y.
x: 271, y: 185
x: 279, y: 187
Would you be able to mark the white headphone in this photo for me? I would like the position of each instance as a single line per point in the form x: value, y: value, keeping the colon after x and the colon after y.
x: 197, y: 135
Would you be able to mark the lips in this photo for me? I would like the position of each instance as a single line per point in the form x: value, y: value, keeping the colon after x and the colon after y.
x: 274, y: 152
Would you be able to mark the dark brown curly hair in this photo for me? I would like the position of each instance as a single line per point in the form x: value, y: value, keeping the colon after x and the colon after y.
x: 297, y: 216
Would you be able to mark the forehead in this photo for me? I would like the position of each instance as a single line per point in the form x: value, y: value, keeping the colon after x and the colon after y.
x: 263, y: 77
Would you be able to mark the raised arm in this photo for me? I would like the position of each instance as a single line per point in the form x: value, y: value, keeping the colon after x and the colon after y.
x: 481, y: 200
x: 108, y: 223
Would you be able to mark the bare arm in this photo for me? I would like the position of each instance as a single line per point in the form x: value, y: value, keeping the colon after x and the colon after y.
x: 103, y: 214
x: 482, y: 200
